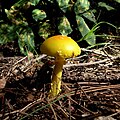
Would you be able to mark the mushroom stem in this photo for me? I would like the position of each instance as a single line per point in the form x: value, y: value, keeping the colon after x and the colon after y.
x: 56, y: 78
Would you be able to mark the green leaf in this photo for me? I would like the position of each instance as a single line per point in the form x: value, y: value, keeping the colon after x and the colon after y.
x: 26, y: 42
x: 64, y: 26
x: 85, y: 31
x: 90, y: 16
x: 20, y: 3
x: 34, y: 2
x: 8, y: 33
x: 81, y: 6
x: 63, y: 4
x: 117, y: 1
x: 44, y: 30
x: 38, y: 14
x: 103, y: 4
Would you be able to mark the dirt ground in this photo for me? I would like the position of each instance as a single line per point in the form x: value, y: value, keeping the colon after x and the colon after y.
x: 90, y: 87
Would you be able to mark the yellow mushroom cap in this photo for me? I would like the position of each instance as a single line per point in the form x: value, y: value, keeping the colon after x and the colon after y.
x: 60, y: 45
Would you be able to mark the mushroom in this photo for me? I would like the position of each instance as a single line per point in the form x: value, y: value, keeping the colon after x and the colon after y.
x: 60, y: 47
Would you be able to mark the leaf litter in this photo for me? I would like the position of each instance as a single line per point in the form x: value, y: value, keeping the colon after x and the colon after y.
x: 90, y: 87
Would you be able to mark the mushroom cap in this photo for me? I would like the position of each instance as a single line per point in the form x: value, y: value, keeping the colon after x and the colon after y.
x: 60, y: 46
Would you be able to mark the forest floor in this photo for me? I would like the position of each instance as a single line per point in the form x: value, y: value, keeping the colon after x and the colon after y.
x: 90, y: 87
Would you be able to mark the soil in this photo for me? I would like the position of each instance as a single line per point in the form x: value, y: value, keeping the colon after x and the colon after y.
x: 90, y: 87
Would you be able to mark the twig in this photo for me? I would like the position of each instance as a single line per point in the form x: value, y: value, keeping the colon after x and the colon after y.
x: 27, y: 107
x: 93, y: 89
x: 69, y: 103
x: 92, y: 83
x: 40, y: 57
x: 118, y: 112
x: 60, y: 108
x: 24, y: 109
x: 93, y: 51
x: 20, y: 60
x: 81, y: 106
x: 78, y: 104
x: 53, y: 110
x: 79, y: 57
x: 116, y: 103
x: 86, y: 94
x: 88, y: 64
x: 33, y: 60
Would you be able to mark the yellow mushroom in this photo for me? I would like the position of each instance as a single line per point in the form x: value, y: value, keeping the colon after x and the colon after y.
x: 60, y: 47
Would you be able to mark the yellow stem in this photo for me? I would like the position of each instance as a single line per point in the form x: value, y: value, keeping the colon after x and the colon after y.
x: 56, y: 78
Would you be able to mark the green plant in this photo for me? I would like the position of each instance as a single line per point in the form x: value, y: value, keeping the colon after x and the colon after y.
x: 94, y: 29
x: 26, y: 42
x: 32, y: 21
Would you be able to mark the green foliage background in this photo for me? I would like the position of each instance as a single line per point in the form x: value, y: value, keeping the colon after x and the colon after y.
x: 30, y: 22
